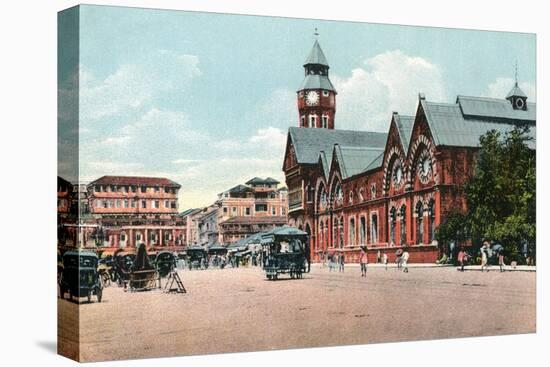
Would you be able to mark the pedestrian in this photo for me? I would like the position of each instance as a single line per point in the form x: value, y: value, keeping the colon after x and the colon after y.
x: 330, y: 262
x: 484, y: 257
x: 398, y: 261
x: 378, y: 258
x: 342, y: 262
x: 363, y: 260
x: 385, y: 260
x: 501, y: 261
x: 460, y: 259
x: 404, y: 261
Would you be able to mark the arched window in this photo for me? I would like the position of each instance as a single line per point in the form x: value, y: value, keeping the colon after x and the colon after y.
x: 309, y: 194
x: 351, y: 196
x: 361, y: 194
x: 403, y: 224
x: 337, y: 195
x: 326, y: 234
x: 352, y: 232
x: 419, y: 223
x: 431, y: 220
x: 341, y: 233
x: 362, y: 231
x: 335, y: 232
x: 374, y: 228
x: 393, y: 220
x: 321, y: 236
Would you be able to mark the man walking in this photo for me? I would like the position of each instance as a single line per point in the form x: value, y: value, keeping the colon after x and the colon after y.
x: 484, y: 257
x: 460, y: 259
x: 363, y: 260
x: 404, y: 262
x: 342, y: 262
x: 385, y: 260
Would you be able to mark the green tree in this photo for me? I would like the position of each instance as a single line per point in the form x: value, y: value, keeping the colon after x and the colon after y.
x: 501, y: 195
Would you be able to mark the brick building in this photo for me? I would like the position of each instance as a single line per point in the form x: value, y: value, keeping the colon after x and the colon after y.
x: 386, y: 190
x: 132, y: 210
x: 246, y: 209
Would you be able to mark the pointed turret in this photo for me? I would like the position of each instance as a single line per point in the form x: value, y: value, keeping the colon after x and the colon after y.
x: 316, y: 56
x: 317, y: 95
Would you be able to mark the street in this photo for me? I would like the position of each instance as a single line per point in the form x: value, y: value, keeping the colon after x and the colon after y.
x: 238, y: 310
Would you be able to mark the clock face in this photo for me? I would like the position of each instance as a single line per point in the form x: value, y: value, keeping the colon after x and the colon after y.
x: 312, y: 98
x: 519, y: 103
x: 398, y: 174
x: 425, y: 167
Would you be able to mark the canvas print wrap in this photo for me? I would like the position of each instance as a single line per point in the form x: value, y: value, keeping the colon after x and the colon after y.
x: 232, y: 183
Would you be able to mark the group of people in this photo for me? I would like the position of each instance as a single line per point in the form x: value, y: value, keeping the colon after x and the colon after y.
x: 337, y: 260
x: 486, y: 252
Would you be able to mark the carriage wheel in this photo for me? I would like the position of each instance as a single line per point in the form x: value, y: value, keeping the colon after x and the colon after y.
x: 89, y: 296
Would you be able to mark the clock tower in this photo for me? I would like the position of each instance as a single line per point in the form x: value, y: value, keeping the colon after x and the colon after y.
x: 316, y: 96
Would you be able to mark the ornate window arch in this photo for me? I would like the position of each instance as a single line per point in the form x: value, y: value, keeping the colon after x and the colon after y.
x: 394, y: 170
x: 419, y: 213
x: 393, y: 222
x: 422, y: 161
x: 403, y: 216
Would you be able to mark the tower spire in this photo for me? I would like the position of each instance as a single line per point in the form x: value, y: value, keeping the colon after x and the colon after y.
x: 516, y: 73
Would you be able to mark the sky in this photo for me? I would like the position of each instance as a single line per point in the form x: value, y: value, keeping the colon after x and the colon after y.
x: 206, y: 99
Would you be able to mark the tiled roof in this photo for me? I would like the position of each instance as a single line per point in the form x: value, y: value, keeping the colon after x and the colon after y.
x: 494, y: 109
x: 317, y: 82
x: 239, y: 189
x: 259, y: 181
x: 404, y: 127
x: 516, y: 92
x: 316, y: 56
x: 135, y: 180
x: 309, y: 142
x: 353, y: 160
x: 376, y: 163
x: 450, y: 127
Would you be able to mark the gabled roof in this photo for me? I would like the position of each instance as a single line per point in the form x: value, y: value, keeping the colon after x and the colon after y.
x: 376, y: 163
x: 495, y: 109
x: 135, y: 180
x: 309, y: 142
x: 404, y: 128
x: 316, y: 56
x: 353, y: 160
x: 324, y: 163
x: 451, y: 126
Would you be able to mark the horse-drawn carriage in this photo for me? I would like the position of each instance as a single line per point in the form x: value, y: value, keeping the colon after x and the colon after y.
x: 217, y: 255
x: 286, y: 251
x: 197, y: 257
x: 79, y: 276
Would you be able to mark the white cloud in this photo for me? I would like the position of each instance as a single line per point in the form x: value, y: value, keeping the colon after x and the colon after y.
x: 387, y: 82
x: 133, y: 85
x: 501, y: 86
x: 270, y: 137
x: 278, y: 109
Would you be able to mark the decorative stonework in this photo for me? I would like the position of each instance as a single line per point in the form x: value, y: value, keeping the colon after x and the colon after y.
x: 414, y: 158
